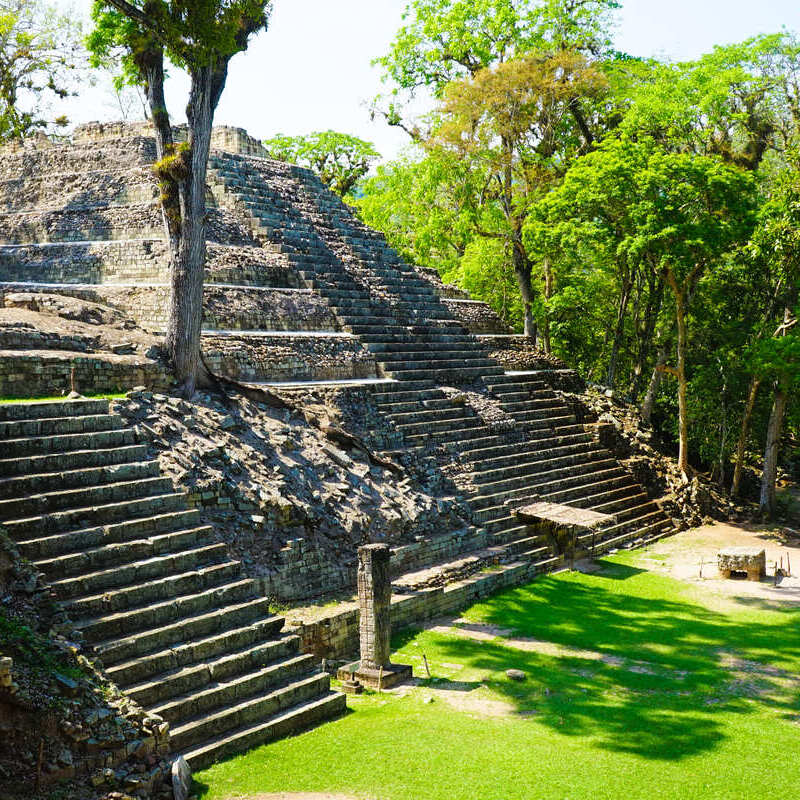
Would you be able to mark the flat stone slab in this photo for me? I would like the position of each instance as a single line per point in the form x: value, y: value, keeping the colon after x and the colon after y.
x: 752, y: 560
x: 391, y: 675
x: 564, y: 516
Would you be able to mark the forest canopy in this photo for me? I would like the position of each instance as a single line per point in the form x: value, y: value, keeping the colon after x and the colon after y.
x: 637, y: 217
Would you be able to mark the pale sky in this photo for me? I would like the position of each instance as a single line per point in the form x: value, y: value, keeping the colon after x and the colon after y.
x: 311, y: 69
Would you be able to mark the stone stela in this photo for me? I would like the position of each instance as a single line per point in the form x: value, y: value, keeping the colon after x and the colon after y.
x: 374, y: 600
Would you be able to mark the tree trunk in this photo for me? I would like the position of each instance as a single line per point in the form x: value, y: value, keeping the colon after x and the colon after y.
x: 743, y: 434
x: 619, y: 330
x: 774, y: 431
x: 655, y: 383
x: 549, y: 283
x: 186, y: 296
x: 522, y: 270
x: 655, y: 297
x: 680, y: 374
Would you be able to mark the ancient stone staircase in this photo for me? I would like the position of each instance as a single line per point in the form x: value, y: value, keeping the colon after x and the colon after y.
x: 398, y: 316
x: 149, y: 590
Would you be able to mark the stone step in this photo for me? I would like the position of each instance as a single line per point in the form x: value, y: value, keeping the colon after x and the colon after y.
x: 22, y: 428
x: 73, y: 460
x: 571, y: 495
x: 155, y: 626
x: 162, y: 686
x: 435, y: 425
x: 531, y: 451
x: 615, y: 498
x: 618, y: 505
x: 52, y: 408
x: 93, y: 559
x: 83, y: 539
x: 222, y: 691
x: 646, y: 534
x: 148, y: 677
x: 536, y: 464
x: 248, y: 711
x: 437, y: 365
x: 480, y: 455
x: 133, y: 576
x: 445, y: 375
x: 62, y: 521
x: 42, y: 445
x: 430, y: 353
x: 495, y: 493
x: 20, y: 508
x: 433, y: 403
x: 544, y: 400
x: 38, y: 483
x: 563, y: 491
x: 291, y: 721
x: 135, y: 597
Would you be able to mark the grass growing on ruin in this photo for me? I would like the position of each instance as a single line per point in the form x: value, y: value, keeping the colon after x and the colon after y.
x: 634, y: 689
x: 58, y: 399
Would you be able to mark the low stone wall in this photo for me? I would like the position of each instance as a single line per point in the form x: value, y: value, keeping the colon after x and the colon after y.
x: 76, y: 190
x: 303, y: 572
x: 49, y: 374
x: 286, y: 358
x: 83, y: 156
x: 130, y: 261
x: 335, y: 636
x: 140, y: 221
x: 519, y: 353
x: 475, y: 316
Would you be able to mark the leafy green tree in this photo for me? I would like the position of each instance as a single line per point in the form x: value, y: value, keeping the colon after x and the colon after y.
x: 201, y: 38
x: 423, y: 206
x: 516, y: 125
x: 40, y: 53
x: 339, y: 159
x: 776, y: 358
x: 449, y: 40
x: 740, y: 102
x: 674, y: 215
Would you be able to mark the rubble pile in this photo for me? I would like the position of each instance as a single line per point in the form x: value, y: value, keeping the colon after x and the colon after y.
x: 267, y: 479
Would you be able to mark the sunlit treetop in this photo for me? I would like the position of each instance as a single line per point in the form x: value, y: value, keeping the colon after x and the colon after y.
x: 192, y: 33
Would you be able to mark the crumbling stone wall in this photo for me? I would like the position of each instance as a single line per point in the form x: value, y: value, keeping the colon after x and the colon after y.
x: 476, y: 316
x: 282, y: 358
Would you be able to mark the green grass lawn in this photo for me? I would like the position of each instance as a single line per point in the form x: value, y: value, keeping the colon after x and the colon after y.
x: 641, y: 692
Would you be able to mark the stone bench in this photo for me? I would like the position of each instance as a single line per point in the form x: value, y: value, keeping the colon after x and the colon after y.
x: 742, y: 559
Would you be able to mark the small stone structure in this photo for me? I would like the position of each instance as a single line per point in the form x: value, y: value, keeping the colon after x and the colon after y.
x: 742, y: 559
x: 563, y: 524
x: 6, y: 680
x: 374, y: 599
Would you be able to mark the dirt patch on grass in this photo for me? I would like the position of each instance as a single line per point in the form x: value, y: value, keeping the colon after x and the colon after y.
x: 692, y: 557
x: 482, y: 632
x: 296, y: 796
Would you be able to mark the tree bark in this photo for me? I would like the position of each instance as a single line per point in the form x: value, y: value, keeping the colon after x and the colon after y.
x: 655, y: 383
x: 752, y: 394
x: 619, y: 330
x: 680, y: 372
x: 646, y: 332
x: 770, y: 472
x: 522, y: 270
x: 186, y: 294
x: 549, y: 283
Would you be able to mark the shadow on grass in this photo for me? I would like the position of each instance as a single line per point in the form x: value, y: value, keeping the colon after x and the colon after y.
x: 642, y: 675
